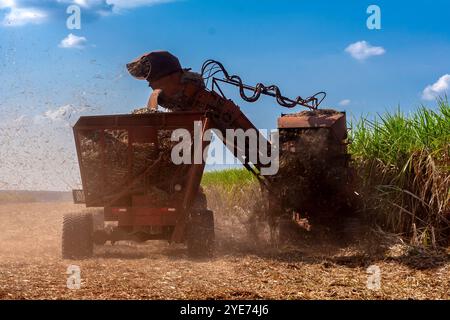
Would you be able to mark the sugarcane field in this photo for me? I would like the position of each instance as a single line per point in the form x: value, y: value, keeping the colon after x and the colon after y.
x: 253, y: 154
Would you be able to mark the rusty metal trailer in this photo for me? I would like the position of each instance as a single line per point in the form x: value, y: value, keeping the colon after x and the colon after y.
x: 122, y: 164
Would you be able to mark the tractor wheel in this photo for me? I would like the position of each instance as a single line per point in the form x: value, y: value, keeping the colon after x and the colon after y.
x: 77, y: 236
x: 200, y: 234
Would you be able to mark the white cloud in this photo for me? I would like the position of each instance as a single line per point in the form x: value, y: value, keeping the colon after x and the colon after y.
x: 87, y: 3
x: 127, y: 4
x: 362, y: 50
x: 116, y: 4
x: 344, y: 102
x: 436, y: 89
x: 7, y: 4
x: 73, y: 41
x: 22, y: 12
x: 23, y: 16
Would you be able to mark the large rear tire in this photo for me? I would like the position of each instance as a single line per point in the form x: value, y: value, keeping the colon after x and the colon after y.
x: 77, y: 236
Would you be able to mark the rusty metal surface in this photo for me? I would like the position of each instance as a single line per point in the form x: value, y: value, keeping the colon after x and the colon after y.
x: 321, y: 121
x: 129, y: 121
x: 153, y: 101
x: 78, y: 196
x: 145, y: 216
x: 154, y: 65
x: 138, y: 129
x: 336, y: 122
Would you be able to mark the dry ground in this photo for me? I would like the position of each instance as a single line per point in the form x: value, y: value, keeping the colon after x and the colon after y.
x: 31, y: 267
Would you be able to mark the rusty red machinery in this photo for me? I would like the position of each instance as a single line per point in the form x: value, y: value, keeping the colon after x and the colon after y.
x: 123, y: 165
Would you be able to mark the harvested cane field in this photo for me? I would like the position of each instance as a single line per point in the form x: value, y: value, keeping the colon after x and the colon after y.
x: 403, y: 236
x: 243, y: 268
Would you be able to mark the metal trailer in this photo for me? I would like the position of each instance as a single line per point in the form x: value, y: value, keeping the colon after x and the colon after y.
x: 122, y: 164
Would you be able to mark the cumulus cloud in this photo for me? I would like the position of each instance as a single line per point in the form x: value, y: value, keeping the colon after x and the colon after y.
x: 73, y: 42
x: 22, y: 16
x: 344, y: 102
x: 7, y: 4
x: 117, y: 4
x: 87, y: 3
x: 90, y: 8
x: 127, y: 4
x: 22, y: 12
x: 362, y: 50
x: 437, y: 89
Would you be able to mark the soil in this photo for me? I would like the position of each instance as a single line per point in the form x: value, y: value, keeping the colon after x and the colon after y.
x: 31, y: 266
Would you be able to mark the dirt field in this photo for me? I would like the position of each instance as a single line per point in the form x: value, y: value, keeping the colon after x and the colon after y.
x: 31, y: 267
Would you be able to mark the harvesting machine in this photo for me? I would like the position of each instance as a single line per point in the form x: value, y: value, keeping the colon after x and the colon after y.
x: 130, y: 178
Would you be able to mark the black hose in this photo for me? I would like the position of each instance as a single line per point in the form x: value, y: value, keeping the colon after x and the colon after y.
x: 212, y: 67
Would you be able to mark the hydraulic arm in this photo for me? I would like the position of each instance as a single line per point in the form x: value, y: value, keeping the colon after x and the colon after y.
x: 178, y: 89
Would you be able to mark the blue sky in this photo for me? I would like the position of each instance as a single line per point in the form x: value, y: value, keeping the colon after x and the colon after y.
x: 298, y: 45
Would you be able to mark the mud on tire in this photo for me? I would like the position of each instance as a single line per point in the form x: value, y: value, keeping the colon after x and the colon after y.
x: 77, y: 236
